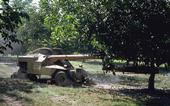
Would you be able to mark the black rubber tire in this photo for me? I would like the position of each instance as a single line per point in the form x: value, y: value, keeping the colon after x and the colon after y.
x: 60, y: 78
x: 32, y: 77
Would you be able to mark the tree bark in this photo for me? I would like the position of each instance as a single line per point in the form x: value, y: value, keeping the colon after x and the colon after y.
x: 151, y: 82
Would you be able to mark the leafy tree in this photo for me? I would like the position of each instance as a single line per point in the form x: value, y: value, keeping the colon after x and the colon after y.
x: 133, y: 30
x: 10, y: 18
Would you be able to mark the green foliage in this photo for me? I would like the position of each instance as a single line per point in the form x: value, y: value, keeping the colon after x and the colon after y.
x: 10, y: 18
x: 61, y: 19
x: 130, y: 29
x: 64, y: 34
x: 33, y: 33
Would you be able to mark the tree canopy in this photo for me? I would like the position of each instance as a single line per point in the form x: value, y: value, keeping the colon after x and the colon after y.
x: 129, y: 29
x: 133, y: 30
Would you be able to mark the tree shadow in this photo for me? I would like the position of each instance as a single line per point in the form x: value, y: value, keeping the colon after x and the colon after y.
x: 12, y: 87
x: 133, y: 81
x: 148, y: 98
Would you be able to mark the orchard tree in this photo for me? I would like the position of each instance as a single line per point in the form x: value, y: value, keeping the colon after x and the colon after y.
x: 132, y: 30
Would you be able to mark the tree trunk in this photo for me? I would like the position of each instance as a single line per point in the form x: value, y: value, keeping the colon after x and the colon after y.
x: 151, y: 82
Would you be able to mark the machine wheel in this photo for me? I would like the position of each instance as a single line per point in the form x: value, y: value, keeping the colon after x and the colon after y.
x: 14, y: 75
x: 61, y: 79
x: 32, y: 77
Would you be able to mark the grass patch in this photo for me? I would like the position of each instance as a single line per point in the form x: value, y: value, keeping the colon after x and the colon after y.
x: 41, y: 94
x: 5, y: 71
x: 92, y: 66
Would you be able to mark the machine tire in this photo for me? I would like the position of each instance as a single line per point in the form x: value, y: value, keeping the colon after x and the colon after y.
x: 61, y: 79
x: 32, y: 77
x: 14, y: 75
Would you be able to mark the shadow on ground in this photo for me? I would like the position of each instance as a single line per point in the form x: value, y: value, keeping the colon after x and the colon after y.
x: 146, y: 97
x: 133, y: 81
x: 13, y: 88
